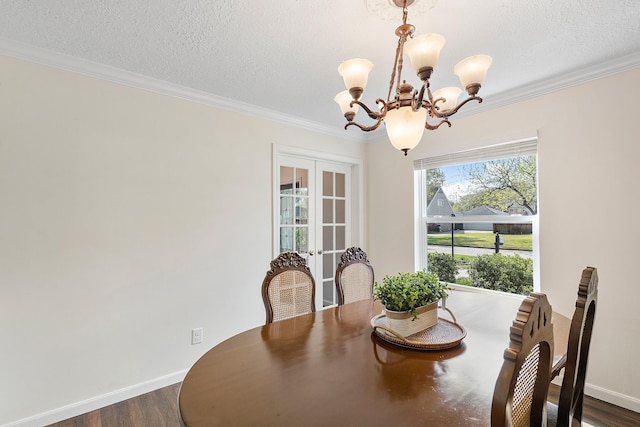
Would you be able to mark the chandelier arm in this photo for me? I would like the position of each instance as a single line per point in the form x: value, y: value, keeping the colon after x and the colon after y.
x: 429, y: 126
x: 434, y: 110
x: 420, y: 102
x: 431, y: 108
x: 373, y: 114
x: 365, y: 128
x: 438, y: 100
x: 452, y: 111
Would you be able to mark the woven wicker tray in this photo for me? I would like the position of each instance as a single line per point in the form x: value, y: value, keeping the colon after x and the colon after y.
x: 444, y: 334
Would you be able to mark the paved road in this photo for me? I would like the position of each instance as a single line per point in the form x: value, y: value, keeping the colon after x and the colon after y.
x: 462, y: 250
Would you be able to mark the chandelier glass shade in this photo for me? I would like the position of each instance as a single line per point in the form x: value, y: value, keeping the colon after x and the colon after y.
x: 405, y: 126
x: 406, y: 112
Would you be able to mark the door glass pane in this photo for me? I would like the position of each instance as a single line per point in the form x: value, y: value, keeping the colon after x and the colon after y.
x: 302, y: 239
x: 286, y: 180
x: 327, y: 183
x: 340, y: 190
x: 327, y: 238
x: 286, y: 210
x: 340, y: 235
x: 286, y: 239
x: 302, y: 210
x: 327, y: 211
x: 340, y: 211
x: 328, y: 271
x: 327, y: 293
x: 302, y: 182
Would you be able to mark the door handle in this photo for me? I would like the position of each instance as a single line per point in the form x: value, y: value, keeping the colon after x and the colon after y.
x: 320, y: 252
x: 310, y: 253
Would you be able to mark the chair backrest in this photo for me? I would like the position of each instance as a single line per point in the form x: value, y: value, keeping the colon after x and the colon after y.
x: 520, y: 394
x: 288, y: 288
x: 354, y: 276
x: 575, y: 370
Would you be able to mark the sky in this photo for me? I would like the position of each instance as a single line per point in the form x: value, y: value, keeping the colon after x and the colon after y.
x: 455, y: 186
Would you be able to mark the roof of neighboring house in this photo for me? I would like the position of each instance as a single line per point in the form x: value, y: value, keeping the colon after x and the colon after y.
x: 518, y: 207
x: 434, y: 210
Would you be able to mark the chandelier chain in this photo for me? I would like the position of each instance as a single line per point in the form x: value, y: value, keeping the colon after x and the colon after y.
x: 398, y: 61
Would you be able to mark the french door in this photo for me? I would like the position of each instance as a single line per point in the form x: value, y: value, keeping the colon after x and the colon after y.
x: 314, y: 216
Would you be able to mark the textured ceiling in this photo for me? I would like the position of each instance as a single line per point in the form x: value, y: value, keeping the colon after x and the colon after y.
x: 282, y: 55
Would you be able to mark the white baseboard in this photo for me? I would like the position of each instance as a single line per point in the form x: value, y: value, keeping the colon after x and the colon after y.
x: 613, y: 397
x: 609, y: 396
x: 98, y: 402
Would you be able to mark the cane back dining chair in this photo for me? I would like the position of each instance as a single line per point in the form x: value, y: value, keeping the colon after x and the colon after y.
x: 354, y: 276
x: 569, y: 409
x: 288, y: 288
x: 520, y: 394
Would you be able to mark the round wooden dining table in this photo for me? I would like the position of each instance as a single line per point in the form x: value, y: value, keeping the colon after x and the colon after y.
x: 330, y: 368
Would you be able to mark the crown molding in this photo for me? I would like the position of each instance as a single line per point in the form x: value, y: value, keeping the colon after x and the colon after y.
x: 116, y: 75
x: 565, y: 80
x: 105, y: 72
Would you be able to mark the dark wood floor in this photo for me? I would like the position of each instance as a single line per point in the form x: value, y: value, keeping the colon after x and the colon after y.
x: 601, y: 414
x: 159, y: 409
x: 156, y: 409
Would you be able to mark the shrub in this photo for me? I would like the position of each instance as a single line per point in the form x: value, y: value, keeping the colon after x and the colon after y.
x: 503, y: 273
x: 443, y: 265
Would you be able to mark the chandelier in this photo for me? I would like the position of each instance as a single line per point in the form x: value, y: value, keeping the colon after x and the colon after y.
x: 405, y: 113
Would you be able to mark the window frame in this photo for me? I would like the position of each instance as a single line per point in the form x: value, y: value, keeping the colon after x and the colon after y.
x: 522, y: 147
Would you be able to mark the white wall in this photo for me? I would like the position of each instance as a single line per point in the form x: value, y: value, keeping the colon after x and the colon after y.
x: 121, y: 210
x: 127, y: 218
x: 588, y: 176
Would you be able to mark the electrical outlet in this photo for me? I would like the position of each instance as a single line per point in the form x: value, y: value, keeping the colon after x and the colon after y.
x: 196, y: 336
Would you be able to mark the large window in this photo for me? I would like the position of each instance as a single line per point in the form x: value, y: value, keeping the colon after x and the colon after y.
x: 477, y: 215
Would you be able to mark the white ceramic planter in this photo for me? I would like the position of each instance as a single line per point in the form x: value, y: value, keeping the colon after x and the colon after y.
x: 403, y: 322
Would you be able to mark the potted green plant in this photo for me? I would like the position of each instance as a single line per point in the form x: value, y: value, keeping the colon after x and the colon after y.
x: 410, y: 300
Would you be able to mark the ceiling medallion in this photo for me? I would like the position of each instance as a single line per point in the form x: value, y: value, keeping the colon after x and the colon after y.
x: 391, y: 10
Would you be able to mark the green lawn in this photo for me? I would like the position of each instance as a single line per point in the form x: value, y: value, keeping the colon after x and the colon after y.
x: 482, y: 240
